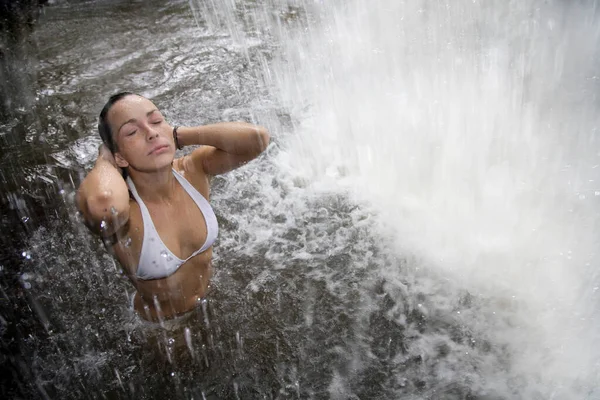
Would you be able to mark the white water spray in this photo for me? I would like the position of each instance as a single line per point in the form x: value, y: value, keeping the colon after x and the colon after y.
x: 470, y: 128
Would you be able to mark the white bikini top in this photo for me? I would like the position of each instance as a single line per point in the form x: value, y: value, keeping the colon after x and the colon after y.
x: 156, y: 260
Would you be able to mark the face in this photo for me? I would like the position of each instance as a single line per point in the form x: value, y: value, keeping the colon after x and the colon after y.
x: 144, y: 139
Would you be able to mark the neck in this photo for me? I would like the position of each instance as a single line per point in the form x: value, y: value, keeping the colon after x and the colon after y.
x: 155, y: 187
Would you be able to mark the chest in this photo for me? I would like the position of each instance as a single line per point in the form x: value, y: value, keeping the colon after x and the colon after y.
x: 180, y: 226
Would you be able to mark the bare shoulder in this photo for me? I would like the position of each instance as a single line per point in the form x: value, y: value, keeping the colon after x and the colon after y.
x: 193, y: 173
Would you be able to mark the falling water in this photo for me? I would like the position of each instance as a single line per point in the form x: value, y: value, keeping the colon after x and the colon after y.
x: 423, y: 225
x: 469, y: 130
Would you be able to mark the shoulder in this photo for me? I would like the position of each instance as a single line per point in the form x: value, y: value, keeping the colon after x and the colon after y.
x: 193, y: 172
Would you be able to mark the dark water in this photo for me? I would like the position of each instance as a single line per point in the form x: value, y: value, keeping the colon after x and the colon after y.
x: 66, y: 330
x: 307, y: 302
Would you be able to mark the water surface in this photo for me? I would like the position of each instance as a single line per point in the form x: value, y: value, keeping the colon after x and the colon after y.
x: 423, y: 225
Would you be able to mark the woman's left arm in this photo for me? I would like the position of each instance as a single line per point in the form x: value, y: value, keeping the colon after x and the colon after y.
x: 226, y: 145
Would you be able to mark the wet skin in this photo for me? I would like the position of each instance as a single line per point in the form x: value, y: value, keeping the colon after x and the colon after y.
x: 182, y: 228
x: 146, y: 149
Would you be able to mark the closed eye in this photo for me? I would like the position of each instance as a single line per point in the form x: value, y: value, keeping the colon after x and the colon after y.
x: 131, y: 133
x: 156, y: 122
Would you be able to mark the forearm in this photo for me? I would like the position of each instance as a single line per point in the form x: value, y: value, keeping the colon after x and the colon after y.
x: 103, y: 198
x: 238, y: 138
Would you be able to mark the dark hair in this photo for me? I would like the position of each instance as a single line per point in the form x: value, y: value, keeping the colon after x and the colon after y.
x: 103, y: 125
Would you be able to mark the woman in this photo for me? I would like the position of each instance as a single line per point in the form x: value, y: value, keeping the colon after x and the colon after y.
x: 151, y: 209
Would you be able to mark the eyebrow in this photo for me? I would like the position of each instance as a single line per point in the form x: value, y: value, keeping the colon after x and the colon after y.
x: 135, y: 120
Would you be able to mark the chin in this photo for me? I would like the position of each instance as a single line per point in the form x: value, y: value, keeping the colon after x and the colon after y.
x: 159, y: 165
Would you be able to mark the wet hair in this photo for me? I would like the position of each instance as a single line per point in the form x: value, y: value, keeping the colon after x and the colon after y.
x: 104, y: 126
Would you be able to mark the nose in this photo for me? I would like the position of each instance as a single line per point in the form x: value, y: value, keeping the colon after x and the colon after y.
x: 151, y: 133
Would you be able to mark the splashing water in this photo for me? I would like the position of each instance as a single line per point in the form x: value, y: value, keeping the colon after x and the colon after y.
x: 424, y: 224
x: 470, y: 130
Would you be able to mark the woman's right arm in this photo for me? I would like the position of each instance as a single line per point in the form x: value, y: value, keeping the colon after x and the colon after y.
x: 103, y: 196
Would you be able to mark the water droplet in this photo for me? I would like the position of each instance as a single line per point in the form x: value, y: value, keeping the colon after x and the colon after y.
x: 24, y: 219
x: 188, y: 340
x: 238, y: 340
x: 172, y: 373
x: 113, y: 211
x: 164, y: 254
x: 103, y: 225
x: 127, y: 242
x: 27, y: 285
x: 170, y: 341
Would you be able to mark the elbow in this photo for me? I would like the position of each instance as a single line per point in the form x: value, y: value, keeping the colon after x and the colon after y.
x: 263, y: 138
x: 99, y: 205
x: 103, y: 212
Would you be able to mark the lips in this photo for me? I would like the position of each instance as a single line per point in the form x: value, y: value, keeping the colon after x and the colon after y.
x: 158, y: 148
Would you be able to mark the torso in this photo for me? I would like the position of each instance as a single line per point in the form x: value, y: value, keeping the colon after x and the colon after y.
x: 177, y: 293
